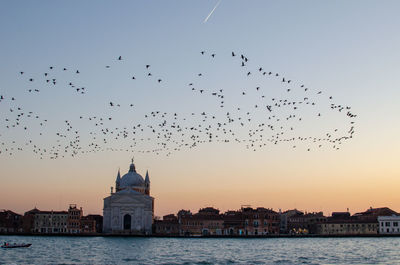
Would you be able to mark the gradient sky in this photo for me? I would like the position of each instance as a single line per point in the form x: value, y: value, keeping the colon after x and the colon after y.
x: 348, y: 48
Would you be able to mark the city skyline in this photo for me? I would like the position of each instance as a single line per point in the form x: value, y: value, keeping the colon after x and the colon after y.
x: 346, y: 50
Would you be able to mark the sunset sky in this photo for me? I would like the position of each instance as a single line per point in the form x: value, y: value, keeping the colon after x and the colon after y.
x: 347, y: 49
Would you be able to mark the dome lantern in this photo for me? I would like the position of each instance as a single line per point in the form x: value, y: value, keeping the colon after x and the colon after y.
x: 132, y: 167
x: 132, y: 179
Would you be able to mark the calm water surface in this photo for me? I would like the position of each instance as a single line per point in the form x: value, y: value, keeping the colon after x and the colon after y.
x: 105, y: 250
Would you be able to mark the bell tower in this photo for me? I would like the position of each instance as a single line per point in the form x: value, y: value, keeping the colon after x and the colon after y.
x: 147, y: 183
x: 118, y: 182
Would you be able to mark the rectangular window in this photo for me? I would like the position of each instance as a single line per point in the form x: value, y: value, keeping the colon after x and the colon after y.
x: 387, y: 224
x: 395, y: 223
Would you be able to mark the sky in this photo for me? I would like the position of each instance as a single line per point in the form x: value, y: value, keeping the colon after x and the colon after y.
x: 346, y: 49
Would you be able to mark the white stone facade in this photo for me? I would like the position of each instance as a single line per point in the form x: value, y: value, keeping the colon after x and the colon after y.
x: 389, y: 224
x: 130, y: 210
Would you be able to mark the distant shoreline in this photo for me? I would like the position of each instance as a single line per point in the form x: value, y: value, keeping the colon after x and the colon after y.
x: 210, y: 236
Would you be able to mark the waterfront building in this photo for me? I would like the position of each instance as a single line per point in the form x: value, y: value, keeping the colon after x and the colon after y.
x: 74, y: 219
x: 77, y: 223
x: 28, y: 221
x: 260, y: 221
x: 247, y: 221
x: 233, y: 223
x: 130, y: 209
x: 305, y: 223
x: 50, y: 222
x: 389, y: 224
x: 206, y: 222
x: 98, y: 221
x: 60, y: 222
x: 341, y: 223
x: 10, y: 222
x: 168, y: 226
x: 284, y: 219
x: 209, y: 222
x: 87, y: 225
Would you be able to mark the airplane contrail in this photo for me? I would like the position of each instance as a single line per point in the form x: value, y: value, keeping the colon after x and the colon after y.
x: 212, y: 11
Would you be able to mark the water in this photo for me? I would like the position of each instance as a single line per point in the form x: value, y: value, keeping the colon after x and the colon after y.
x: 107, y: 250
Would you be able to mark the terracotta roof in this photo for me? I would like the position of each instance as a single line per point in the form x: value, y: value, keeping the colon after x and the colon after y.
x: 377, y: 211
x: 51, y: 212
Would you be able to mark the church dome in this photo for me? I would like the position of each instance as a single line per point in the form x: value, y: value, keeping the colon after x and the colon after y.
x: 131, y: 179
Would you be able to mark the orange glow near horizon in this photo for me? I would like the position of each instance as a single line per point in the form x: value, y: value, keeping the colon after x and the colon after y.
x: 321, y: 181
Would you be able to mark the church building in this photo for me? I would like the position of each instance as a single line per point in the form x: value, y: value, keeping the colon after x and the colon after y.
x: 130, y: 209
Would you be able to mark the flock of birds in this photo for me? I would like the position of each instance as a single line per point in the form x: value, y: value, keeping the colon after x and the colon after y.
x: 255, y: 117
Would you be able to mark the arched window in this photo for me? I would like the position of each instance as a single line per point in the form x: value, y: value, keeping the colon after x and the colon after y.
x: 127, y: 222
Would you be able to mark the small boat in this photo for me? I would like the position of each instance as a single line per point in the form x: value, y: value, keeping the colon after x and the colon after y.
x: 23, y: 245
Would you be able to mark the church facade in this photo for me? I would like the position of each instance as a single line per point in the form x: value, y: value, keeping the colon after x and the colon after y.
x: 130, y: 209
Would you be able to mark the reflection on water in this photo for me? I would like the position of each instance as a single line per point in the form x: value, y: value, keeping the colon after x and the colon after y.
x: 106, y: 250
